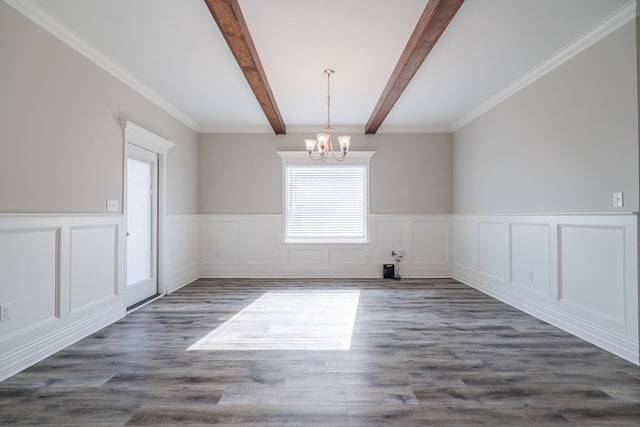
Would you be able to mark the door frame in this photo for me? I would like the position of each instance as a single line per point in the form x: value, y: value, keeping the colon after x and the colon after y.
x: 141, y: 137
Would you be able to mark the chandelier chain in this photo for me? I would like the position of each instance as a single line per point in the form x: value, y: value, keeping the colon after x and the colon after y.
x: 329, y: 98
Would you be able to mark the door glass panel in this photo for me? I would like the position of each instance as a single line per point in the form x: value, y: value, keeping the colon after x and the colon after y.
x: 139, y: 221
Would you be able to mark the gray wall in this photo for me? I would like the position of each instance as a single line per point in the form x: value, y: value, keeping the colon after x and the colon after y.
x: 562, y: 145
x: 242, y: 173
x: 61, y: 146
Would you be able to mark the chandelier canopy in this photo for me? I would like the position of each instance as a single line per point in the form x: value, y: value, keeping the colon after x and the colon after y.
x: 319, y: 148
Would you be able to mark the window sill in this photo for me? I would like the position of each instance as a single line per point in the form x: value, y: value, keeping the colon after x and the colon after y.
x: 325, y: 242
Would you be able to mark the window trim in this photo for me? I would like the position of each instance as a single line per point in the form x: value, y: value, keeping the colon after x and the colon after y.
x: 361, y: 158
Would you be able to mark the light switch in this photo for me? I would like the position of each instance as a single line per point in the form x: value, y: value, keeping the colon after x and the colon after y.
x: 618, y: 200
x: 113, y: 206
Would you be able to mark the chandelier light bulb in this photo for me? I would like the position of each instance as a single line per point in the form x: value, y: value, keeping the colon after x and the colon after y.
x: 345, y: 142
x: 310, y: 144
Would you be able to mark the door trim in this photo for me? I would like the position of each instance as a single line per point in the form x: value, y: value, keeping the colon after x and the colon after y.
x: 137, y: 135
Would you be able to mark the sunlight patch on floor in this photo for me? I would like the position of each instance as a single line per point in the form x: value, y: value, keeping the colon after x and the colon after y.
x: 305, y: 320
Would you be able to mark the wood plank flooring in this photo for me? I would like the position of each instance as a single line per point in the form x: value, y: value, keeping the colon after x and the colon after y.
x: 419, y: 353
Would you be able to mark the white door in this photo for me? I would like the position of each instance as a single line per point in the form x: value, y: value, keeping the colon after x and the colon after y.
x: 142, y: 225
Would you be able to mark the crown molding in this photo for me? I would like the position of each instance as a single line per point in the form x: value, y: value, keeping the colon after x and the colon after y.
x: 238, y: 129
x: 414, y: 129
x: 320, y: 129
x: 36, y: 14
x: 290, y: 129
x: 353, y: 129
x: 623, y: 16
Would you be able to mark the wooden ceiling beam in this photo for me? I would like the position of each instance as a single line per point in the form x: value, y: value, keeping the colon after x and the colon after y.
x: 434, y: 20
x: 228, y: 16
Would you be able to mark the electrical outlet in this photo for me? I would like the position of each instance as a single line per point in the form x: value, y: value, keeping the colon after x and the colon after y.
x: 5, y: 312
x: 113, y: 206
x: 530, y: 275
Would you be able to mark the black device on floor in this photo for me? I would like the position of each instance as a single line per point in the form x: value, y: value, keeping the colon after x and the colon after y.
x: 388, y: 271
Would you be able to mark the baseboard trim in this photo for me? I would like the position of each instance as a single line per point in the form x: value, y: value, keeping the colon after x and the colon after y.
x: 182, y: 282
x: 32, y: 353
x: 305, y: 271
x: 618, y: 345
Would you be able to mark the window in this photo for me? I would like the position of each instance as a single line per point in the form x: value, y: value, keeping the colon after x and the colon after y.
x: 326, y: 202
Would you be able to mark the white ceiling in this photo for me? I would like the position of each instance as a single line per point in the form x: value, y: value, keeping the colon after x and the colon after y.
x: 173, y: 53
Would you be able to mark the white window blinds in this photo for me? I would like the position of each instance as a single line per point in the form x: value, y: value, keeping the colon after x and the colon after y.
x: 326, y: 203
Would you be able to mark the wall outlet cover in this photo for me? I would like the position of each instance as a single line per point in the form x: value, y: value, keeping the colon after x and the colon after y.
x: 5, y: 312
x: 113, y: 206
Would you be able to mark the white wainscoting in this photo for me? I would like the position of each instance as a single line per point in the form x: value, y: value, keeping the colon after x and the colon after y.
x: 64, y: 279
x: 64, y: 275
x: 181, y: 243
x: 578, y: 272
x: 252, y: 246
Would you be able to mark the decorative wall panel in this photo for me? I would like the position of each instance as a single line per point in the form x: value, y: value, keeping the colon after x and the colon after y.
x: 466, y: 245
x: 578, y: 272
x: 28, y: 266
x: 64, y: 279
x: 304, y: 256
x: 530, y: 258
x: 263, y: 242
x: 491, y: 250
x: 182, y: 250
x: 346, y: 256
x: 220, y: 241
x: 253, y: 246
x: 389, y: 234
x: 425, y: 234
x: 93, y: 265
x: 593, y: 276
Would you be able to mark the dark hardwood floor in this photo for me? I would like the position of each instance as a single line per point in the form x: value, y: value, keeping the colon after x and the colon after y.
x: 326, y: 353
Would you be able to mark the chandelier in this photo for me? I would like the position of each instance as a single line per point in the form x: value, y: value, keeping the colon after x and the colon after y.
x: 324, y: 143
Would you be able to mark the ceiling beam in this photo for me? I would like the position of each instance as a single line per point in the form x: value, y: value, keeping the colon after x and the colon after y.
x: 434, y: 20
x: 228, y: 16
